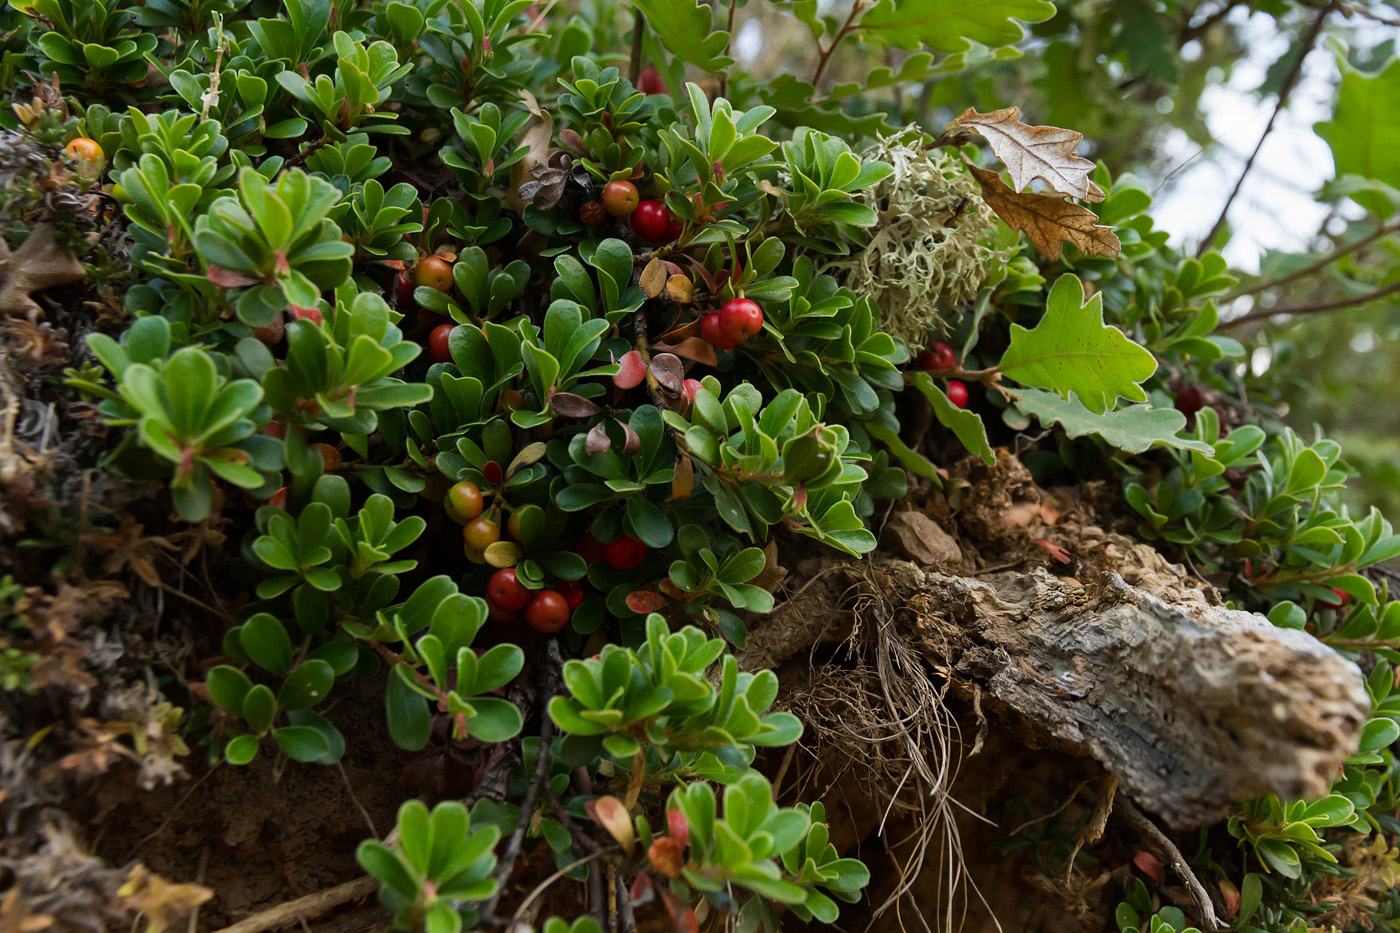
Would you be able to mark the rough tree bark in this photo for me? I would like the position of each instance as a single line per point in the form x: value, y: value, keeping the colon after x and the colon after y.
x: 1192, y: 706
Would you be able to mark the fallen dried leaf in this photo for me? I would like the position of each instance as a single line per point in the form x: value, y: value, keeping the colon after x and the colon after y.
x: 1047, y: 221
x: 669, y: 371
x: 39, y: 263
x: 572, y: 406
x: 1030, y: 152
x: 1057, y: 552
x: 680, y: 288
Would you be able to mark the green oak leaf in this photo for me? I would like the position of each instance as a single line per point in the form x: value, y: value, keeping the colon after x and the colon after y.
x: 1362, y: 144
x: 948, y: 25
x: 1132, y: 429
x: 684, y: 27
x: 1073, y: 350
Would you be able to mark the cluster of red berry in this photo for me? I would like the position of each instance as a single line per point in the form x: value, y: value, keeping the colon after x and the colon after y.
x: 732, y: 324
x: 651, y: 221
x: 546, y: 610
x: 939, y: 358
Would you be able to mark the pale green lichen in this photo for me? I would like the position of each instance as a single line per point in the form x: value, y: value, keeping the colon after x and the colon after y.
x: 930, y: 250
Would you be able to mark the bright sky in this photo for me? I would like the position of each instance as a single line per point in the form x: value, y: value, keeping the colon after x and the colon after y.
x: 1275, y: 208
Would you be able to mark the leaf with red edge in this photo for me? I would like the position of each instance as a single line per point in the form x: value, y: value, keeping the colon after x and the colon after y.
x: 644, y: 601
x: 692, y: 348
x: 1057, y: 552
x: 642, y: 891
x: 572, y: 406
x: 669, y: 371
x: 307, y: 314
x: 665, y: 856
x: 597, y: 440
x: 611, y: 814
x: 1149, y: 865
x: 682, y: 917
x: 678, y: 826
x: 225, y: 278
x: 631, y: 371
x: 1230, y: 895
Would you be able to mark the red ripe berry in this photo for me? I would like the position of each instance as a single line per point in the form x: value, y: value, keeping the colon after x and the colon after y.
x: 437, y: 343
x: 1189, y: 401
x: 712, y: 331
x: 649, y: 81
x: 957, y: 393
x: 624, y: 552
x: 620, y: 198
x: 741, y: 319
x: 651, y: 221
x: 547, y: 612
x: 403, y: 291
x: 572, y: 591
x: 1343, y: 597
x: 588, y: 548
x: 506, y: 592
x: 938, y: 357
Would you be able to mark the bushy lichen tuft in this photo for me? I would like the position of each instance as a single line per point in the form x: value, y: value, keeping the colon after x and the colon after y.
x: 931, y: 248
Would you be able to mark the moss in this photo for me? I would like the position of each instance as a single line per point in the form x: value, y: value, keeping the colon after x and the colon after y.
x: 930, y: 251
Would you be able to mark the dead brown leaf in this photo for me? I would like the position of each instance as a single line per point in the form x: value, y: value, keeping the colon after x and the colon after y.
x: 1048, y: 221
x: 129, y: 547
x: 39, y: 263
x: 653, y: 279
x: 1030, y: 152
x: 159, y: 901
x: 680, y: 288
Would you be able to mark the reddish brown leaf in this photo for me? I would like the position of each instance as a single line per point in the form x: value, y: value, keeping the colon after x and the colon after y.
x: 665, y: 856
x: 1047, y: 221
x: 1148, y: 864
x: 597, y: 440
x: 682, y: 917
x: 644, y: 601
x: 1230, y: 895
x: 225, y: 278
x: 572, y: 406
x: 678, y: 827
x: 632, y: 442
x: 1030, y: 152
x: 631, y: 370
x: 694, y: 349
x: 493, y: 473
x: 642, y: 891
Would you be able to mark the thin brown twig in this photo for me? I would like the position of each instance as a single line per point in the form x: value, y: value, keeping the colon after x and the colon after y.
x: 628, y: 922
x: 310, y: 906
x: 1140, y: 822
x: 1317, y: 308
x: 1320, y: 264
x: 1289, y: 82
x: 835, y: 41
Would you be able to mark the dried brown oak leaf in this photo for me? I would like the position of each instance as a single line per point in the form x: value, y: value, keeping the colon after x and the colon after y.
x: 1030, y: 152
x: 39, y: 263
x: 1049, y: 221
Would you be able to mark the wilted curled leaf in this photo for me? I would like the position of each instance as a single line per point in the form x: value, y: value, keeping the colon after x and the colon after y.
x: 1030, y: 152
x: 572, y: 406
x: 597, y: 440
x: 632, y: 441
x: 680, y: 289
x: 669, y: 371
x: 653, y: 280
x: 1048, y: 221
x: 693, y: 348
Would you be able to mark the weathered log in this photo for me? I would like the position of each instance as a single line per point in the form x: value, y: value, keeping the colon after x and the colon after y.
x: 1191, y: 705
